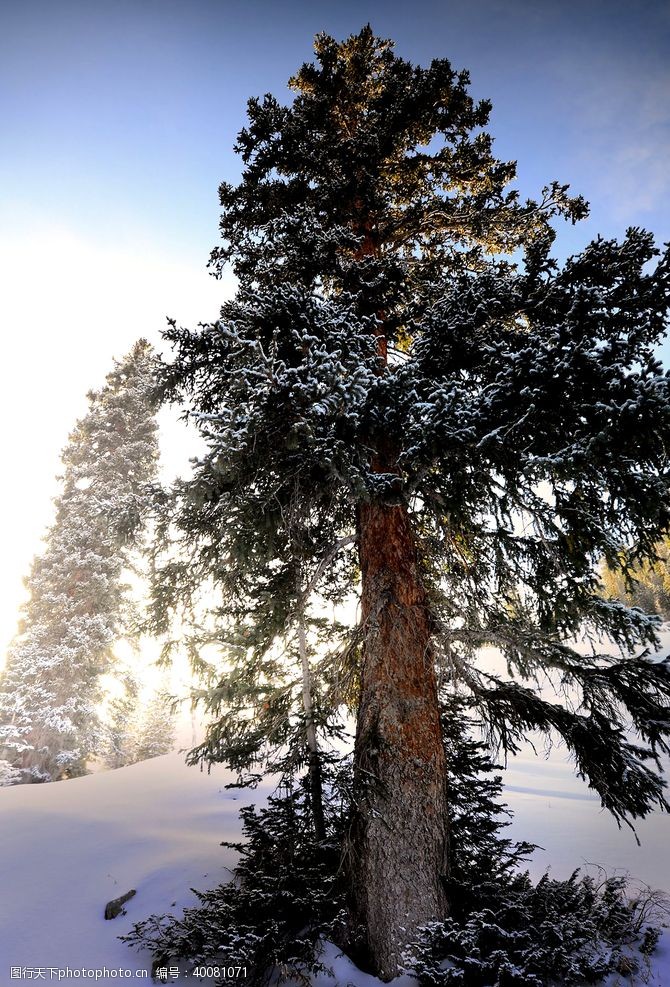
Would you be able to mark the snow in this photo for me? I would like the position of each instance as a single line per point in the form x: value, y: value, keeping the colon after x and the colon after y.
x: 66, y: 849
x: 555, y: 809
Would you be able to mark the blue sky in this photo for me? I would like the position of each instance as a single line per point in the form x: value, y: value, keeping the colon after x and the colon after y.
x: 118, y: 118
x: 117, y: 121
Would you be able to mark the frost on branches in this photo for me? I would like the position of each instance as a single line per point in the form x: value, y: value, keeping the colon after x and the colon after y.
x: 50, y: 689
x: 407, y: 370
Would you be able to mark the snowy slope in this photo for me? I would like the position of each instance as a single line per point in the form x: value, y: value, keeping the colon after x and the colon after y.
x: 68, y: 848
x: 555, y: 809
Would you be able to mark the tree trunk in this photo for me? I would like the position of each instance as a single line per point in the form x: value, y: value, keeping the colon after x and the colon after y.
x: 398, y: 840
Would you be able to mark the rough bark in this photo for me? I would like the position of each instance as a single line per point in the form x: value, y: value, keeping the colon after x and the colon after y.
x: 398, y: 841
x: 398, y: 851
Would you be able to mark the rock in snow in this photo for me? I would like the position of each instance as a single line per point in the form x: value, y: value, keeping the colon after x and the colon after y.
x: 115, y: 906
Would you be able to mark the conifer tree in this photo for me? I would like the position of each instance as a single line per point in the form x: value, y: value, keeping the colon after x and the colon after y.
x: 136, y: 729
x: 404, y: 366
x: 119, y: 731
x: 50, y: 689
x: 155, y: 728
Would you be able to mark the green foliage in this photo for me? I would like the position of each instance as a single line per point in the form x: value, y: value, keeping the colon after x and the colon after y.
x: 398, y: 303
x: 523, y: 935
x: 257, y: 722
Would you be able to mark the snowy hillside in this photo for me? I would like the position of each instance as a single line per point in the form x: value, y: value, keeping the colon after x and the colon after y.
x: 555, y: 809
x: 67, y: 849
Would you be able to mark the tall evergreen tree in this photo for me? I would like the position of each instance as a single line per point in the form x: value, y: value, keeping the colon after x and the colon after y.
x: 50, y: 688
x: 405, y: 366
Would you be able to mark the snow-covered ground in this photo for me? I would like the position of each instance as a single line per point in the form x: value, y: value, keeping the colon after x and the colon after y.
x: 66, y: 849
x: 555, y: 809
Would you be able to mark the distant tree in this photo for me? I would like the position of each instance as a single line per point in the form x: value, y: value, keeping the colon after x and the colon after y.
x: 405, y: 368
x: 118, y: 743
x: 156, y: 733
x: 645, y: 584
x: 51, y: 687
x: 135, y: 727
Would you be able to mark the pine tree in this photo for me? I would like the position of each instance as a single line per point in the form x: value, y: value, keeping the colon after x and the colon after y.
x: 50, y: 689
x: 404, y: 366
x: 156, y: 728
x: 119, y: 730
